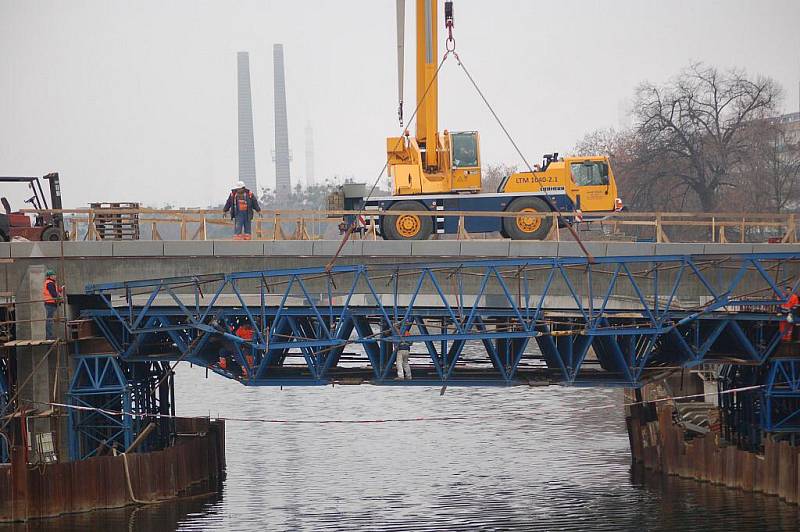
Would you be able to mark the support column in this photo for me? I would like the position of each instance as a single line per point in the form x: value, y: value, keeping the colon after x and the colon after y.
x: 36, y: 364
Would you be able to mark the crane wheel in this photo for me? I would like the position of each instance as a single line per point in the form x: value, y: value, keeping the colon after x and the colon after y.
x: 528, y: 227
x: 407, y: 226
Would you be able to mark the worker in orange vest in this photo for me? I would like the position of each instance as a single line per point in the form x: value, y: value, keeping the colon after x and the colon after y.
x: 52, y: 295
x: 242, y: 204
x: 246, y: 332
x: 789, y: 307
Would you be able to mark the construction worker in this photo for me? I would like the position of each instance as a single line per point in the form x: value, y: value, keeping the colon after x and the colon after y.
x: 789, y: 308
x: 52, y: 295
x: 246, y: 332
x: 242, y: 203
x: 401, y: 360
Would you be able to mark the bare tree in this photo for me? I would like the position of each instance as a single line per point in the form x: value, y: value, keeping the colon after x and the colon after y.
x: 693, y: 131
x: 778, y: 166
x: 493, y: 174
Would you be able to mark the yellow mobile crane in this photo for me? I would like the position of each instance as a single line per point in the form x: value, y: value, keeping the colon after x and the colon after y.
x: 435, y: 172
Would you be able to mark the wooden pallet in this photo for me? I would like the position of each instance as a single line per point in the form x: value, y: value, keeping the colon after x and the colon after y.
x: 110, y: 224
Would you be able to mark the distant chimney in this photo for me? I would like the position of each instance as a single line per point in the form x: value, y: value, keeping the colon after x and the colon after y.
x: 310, y: 176
x: 283, y: 180
x: 247, y: 153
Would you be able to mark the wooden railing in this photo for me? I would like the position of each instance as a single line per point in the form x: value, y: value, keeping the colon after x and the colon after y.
x: 205, y: 224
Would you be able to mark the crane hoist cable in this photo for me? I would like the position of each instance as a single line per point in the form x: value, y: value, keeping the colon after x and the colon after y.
x: 404, y: 133
x: 561, y: 218
x: 450, y: 46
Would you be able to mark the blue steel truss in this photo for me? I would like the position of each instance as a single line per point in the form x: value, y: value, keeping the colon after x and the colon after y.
x: 612, y: 321
x: 781, y: 396
x: 115, y: 400
x: 99, y: 385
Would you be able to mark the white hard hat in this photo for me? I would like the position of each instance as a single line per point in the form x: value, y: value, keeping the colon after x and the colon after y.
x: 239, y: 184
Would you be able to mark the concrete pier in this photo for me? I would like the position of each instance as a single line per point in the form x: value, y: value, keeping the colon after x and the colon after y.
x: 43, y: 367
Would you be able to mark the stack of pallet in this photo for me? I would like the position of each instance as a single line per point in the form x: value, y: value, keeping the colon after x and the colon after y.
x: 116, y: 221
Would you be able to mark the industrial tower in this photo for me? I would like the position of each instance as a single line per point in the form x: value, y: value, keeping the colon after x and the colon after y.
x: 310, y: 176
x: 282, y: 157
x: 247, y: 154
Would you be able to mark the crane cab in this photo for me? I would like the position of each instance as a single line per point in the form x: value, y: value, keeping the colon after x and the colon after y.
x: 587, y: 181
x: 459, y: 169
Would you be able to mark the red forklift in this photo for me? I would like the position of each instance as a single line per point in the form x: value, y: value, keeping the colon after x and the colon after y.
x: 46, y: 226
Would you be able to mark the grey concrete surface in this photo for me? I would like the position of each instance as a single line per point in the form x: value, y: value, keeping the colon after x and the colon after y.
x: 572, y: 249
x: 188, y: 248
x: 485, y: 248
x: 519, y: 248
x: 373, y: 248
x: 138, y: 248
x: 37, y: 366
x: 150, y: 260
x: 88, y: 249
x: 236, y: 248
x: 291, y: 248
x: 436, y: 248
x: 619, y: 249
x: 679, y: 249
x: 35, y: 249
x: 387, y: 248
x: 326, y: 248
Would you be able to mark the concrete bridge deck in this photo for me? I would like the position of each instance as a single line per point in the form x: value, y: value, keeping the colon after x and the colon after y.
x: 95, y: 262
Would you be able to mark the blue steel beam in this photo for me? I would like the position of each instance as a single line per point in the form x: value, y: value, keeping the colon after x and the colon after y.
x: 578, y: 342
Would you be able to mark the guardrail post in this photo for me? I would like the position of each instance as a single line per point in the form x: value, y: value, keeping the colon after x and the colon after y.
x: 372, y: 228
x: 277, y: 234
x: 660, y: 236
x: 713, y: 228
x: 555, y: 224
x: 790, y: 237
x: 462, y: 234
x: 741, y: 232
x: 91, y: 231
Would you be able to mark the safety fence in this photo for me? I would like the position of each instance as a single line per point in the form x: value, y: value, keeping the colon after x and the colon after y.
x: 208, y: 224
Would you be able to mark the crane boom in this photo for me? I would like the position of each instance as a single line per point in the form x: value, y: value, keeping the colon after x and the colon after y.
x: 427, y: 56
x: 434, y: 172
x: 401, y: 39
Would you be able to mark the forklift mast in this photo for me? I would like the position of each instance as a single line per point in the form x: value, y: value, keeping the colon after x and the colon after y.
x: 55, y: 198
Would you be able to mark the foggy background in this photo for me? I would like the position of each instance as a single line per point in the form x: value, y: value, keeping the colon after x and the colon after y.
x: 136, y: 101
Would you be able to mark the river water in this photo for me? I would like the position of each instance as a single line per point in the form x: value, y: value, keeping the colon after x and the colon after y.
x: 521, y: 458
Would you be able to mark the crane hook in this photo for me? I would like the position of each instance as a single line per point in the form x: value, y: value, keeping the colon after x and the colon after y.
x: 449, y: 23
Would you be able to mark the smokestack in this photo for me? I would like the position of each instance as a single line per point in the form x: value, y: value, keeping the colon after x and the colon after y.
x: 247, y: 153
x: 283, y: 180
x: 310, y: 176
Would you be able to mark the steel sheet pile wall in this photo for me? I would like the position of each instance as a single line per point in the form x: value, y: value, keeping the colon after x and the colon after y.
x: 660, y: 445
x: 193, y: 466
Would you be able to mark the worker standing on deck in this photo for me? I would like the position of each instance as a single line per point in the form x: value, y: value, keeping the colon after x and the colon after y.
x: 52, y: 295
x: 243, y: 204
x: 789, y: 308
x: 402, y: 360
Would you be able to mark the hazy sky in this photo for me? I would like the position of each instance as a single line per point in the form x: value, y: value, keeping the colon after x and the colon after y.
x: 136, y: 100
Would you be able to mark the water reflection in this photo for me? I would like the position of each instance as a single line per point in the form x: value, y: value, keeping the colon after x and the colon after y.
x: 524, y: 459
